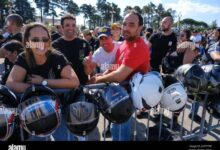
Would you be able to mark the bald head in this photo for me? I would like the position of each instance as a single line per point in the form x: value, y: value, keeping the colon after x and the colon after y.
x: 166, y: 24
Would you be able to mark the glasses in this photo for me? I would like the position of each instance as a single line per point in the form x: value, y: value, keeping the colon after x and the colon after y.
x: 40, y: 40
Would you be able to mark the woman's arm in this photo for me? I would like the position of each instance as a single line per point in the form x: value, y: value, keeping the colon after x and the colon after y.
x: 16, y: 78
x: 69, y: 79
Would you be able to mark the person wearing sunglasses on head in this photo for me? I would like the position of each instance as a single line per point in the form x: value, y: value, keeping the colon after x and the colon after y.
x: 40, y: 64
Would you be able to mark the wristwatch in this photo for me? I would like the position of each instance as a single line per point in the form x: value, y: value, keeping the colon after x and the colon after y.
x: 44, y: 82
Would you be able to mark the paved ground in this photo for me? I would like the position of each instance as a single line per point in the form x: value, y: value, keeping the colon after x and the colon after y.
x: 141, y: 125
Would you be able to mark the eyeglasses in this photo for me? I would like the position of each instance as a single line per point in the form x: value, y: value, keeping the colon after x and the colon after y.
x: 40, y: 40
x: 182, y: 35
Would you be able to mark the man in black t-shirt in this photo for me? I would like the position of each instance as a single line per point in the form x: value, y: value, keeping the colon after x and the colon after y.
x: 161, y: 43
x: 74, y: 48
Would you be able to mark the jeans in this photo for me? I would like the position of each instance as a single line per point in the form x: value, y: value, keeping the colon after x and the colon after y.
x: 62, y: 133
x: 196, y: 108
x: 122, y: 132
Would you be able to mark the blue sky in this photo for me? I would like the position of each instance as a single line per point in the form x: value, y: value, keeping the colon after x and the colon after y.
x: 201, y: 10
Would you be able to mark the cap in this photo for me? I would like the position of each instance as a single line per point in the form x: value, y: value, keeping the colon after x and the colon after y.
x: 104, y: 31
x: 86, y: 31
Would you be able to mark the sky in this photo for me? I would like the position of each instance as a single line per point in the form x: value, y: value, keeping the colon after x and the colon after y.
x: 200, y: 10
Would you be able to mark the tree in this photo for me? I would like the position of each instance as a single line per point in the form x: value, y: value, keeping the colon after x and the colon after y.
x: 192, y: 24
x: 127, y: 8
x: 20, y: 7
x: 43, y: 5
x: 73, y: 8
x: 138, y: 9
x: 4, y: 10
x: 213, y: 25
x: 89, y: 11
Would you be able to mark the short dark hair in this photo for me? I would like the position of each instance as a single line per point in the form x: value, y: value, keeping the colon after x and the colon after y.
x: 188, y: 33
x: 13, y: 45
x: 15, y: 18
x: 140, y: 18
x: 67, y: 16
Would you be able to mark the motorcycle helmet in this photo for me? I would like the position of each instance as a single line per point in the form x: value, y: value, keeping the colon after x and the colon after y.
x: 114, y: 103
x: 8, y: 111
x: 146, y: 90
x: 193, y: 77
x: 39, y: 111
x: 174, y: 96
x: 80, y: 112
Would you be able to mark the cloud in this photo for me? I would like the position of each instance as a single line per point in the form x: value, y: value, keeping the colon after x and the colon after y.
x: 187, y: 7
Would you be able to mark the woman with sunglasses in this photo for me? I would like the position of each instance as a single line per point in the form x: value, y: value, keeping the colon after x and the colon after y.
x: 186, y: 49
x: 40, y: 64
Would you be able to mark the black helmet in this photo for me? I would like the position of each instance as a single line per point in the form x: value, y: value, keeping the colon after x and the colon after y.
x: 213, y: 105
x: 80, y: 112
x: 8, y: 105
x: 168, y: 65
x: 193, y: 77
x: 39, y: 111
x: 115, y: 104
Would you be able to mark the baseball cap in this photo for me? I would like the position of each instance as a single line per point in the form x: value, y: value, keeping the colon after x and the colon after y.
x: 86, y: 31
x: 104, y: 31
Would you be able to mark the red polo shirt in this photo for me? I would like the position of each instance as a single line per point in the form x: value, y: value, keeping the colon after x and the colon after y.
x: 135, y: 55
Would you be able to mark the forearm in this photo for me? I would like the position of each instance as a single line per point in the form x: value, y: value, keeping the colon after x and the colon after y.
x: 17, y: 87
x: 63, y: 83
x: 111, y: 77
x: 215, y: 56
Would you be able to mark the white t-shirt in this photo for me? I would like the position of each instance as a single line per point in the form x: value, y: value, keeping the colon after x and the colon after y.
x: 103, y: 59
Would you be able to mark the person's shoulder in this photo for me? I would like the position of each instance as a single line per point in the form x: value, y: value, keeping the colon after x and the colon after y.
x: 78, y: 39
x: 56, y: 53
x: 58, y: 41
x: 98, y: 51
x: 214, y: 47
x: 22, y: 54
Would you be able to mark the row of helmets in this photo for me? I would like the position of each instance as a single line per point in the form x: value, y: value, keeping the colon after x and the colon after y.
x: 39, y: 110
x: 148, y: 90
x: 199, y: 78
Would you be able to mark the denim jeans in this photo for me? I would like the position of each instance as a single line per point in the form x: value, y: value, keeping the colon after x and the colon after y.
x: 196, y: 108
x: 62, y: 133
x: 122, y: 132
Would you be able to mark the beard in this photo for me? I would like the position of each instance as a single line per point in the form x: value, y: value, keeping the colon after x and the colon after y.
x: 128, y: 36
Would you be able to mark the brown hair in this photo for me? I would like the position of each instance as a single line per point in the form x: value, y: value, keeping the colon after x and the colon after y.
x: 15, y: 18
x: 28, y: 51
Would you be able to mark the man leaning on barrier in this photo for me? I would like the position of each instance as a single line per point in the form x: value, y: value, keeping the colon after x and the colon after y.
x: 132, y: 57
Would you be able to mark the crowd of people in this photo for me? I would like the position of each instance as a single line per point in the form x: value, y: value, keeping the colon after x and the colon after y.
x: 67, y: 59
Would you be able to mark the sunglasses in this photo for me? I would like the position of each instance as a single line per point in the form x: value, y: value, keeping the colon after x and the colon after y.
x: 40, y: 40
x: 182, y: 35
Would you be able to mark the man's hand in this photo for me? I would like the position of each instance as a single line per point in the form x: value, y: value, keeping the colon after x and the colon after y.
x: 94, y: 79
x: 35, y: 79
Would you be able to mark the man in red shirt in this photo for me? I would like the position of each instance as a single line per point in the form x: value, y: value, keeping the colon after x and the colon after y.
x: 132, y: 57
x: 133, y: 54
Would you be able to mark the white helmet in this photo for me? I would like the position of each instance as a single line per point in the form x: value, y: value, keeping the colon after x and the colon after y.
x: 174, y: 97
x: 146, y: 90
